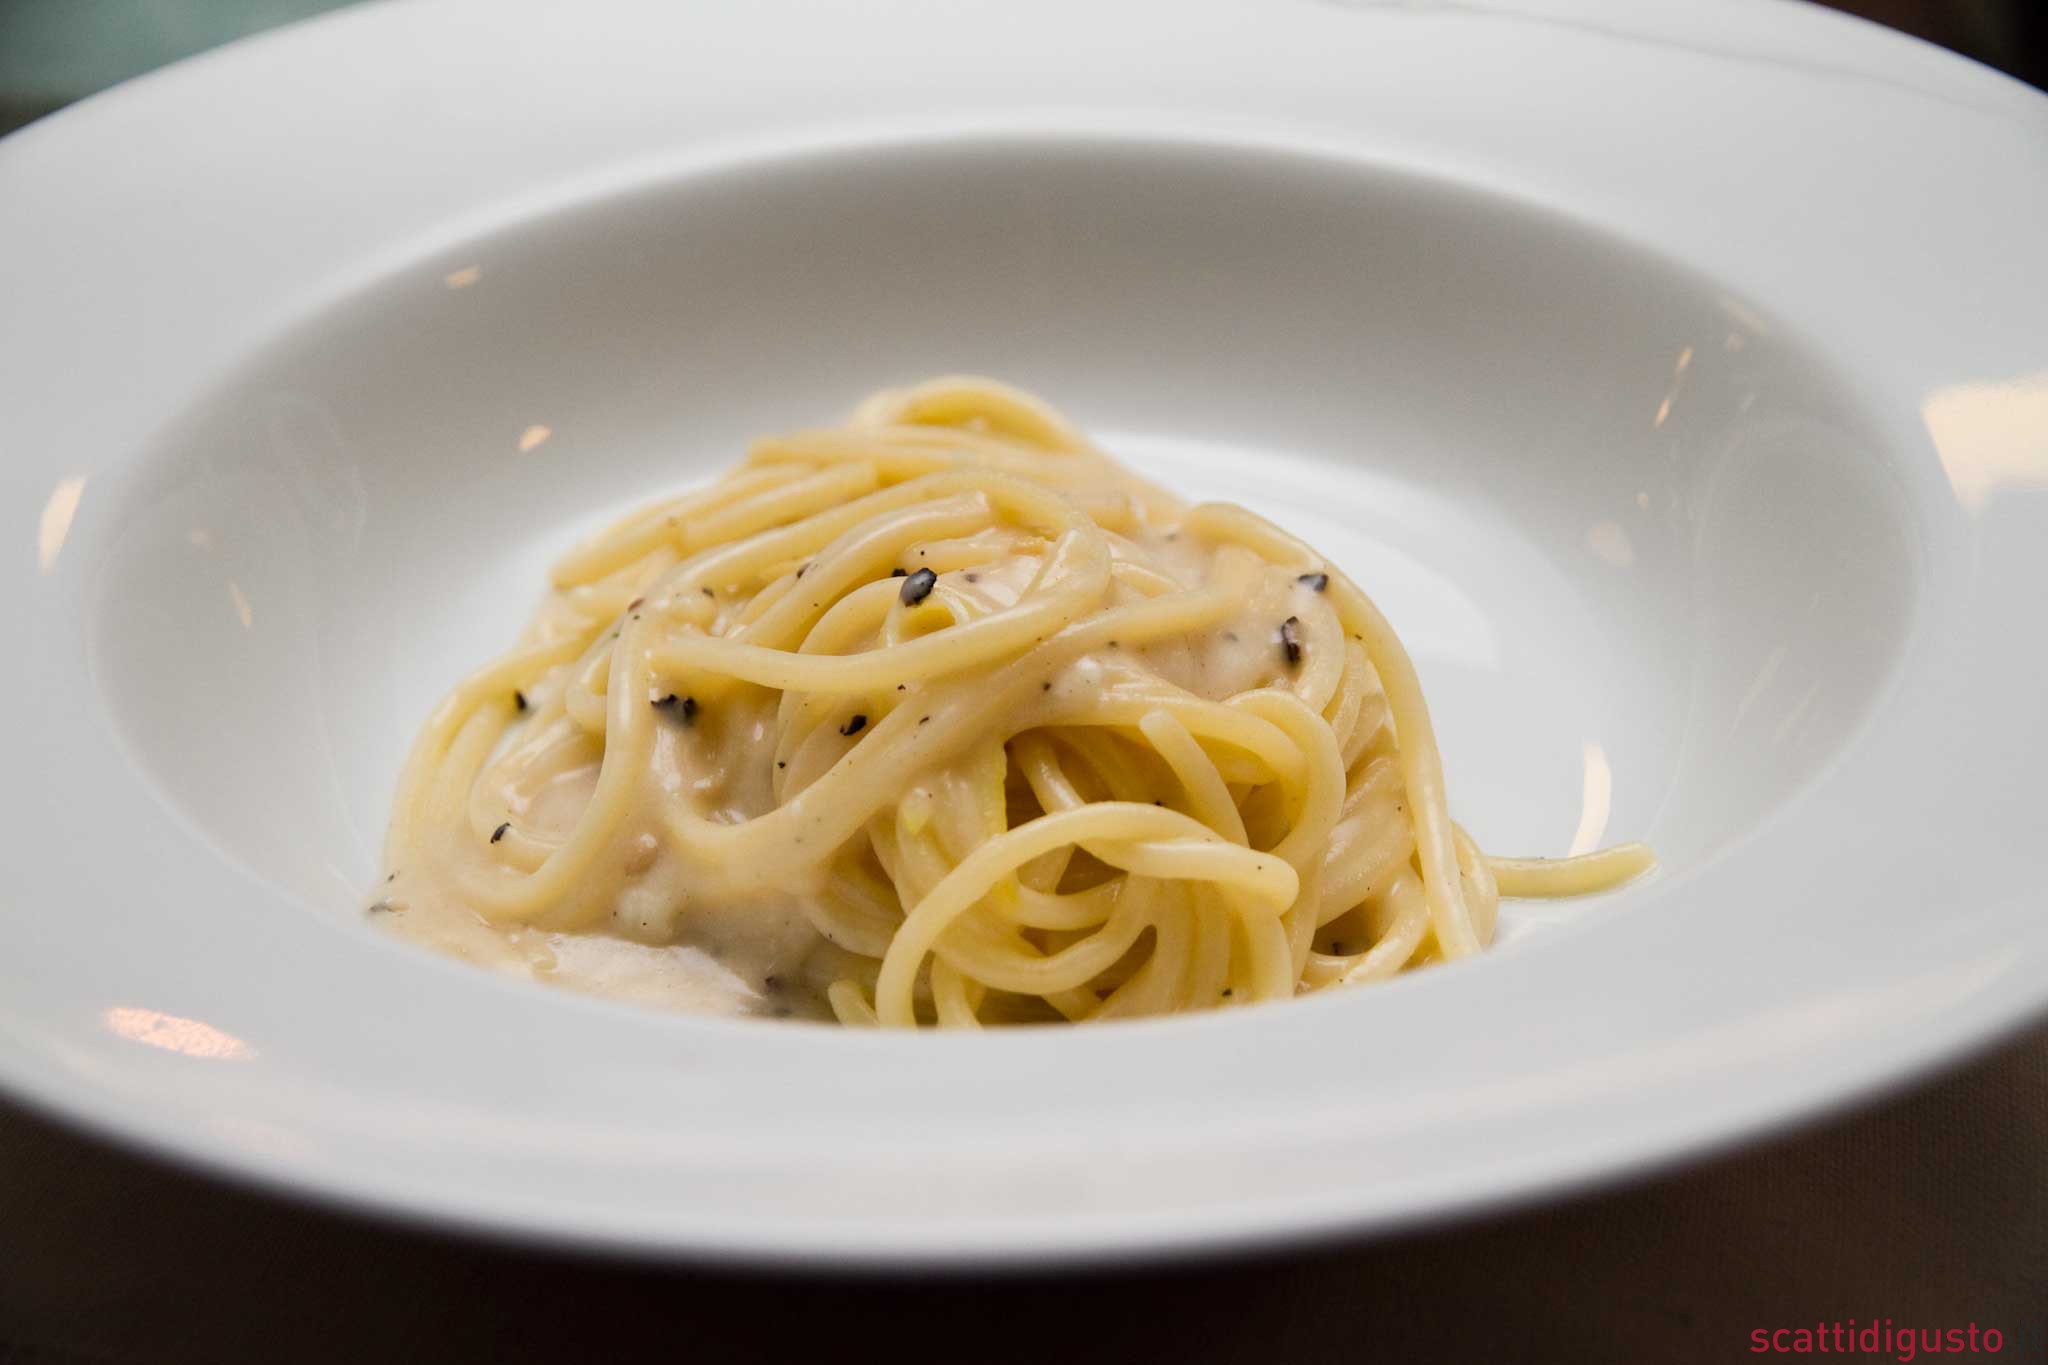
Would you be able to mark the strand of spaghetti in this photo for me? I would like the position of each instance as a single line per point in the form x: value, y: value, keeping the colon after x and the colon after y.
x: 865, y: 611
x: 1269, y: 963
x: 1579, y: 876
x: 902, y: 450
x: 498, y: 679
x: 640, y: 532
x: 1482, y: 888
x: 849, y: 1005
x: 596, y: 604
x: 953, y: 399
x: 863, y: 553
x: 1039, y: 764
x: 781, y: 505
x: 1318, y: 793
x: 1208, y: 799
x: 1302, y: 920
x: 1029, y: 973
x: 1211, y: 721
x: 1156, y: 986
x: 1391, y: 951
x: 1115, y: 826
x: 1421, y: 765
x: 856, y: 914
x: 759, y: 547
x: 1208, y: 970
x: 466, y: 756
x: 1003, y: 702
x: 518, y: 846
x: 896, y: 454
x: 989, y: 952
x: 526, y: 896
x: 1081, y: 567
x: 1364, y: 862
x: 949, y: 997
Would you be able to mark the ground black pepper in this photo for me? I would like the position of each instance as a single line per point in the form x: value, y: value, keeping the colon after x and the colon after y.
x: 1290, y: 639
x: 684, y: 706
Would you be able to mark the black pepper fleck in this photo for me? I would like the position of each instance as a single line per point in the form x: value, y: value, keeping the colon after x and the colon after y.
x: 917, y: 587
x: 686, y: 707
x: 499, y: 832
x: 1045, y: 687
x: 780, y: 764
x: 1318, y: 581
x: 707, y: 592
x: 519, y: 699
x: 1290, y: 639
x: 923, y: 719
x: 899, y: 573
x: 771, y: 983
x: 854, y: 726
x: 382, y: 908
x: 973, y: 578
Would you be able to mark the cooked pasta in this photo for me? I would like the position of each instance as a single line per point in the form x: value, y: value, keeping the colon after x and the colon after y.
x: 942, y: 717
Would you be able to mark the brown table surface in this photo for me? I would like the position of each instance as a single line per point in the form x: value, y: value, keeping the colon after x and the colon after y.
x: 1929, y: 1208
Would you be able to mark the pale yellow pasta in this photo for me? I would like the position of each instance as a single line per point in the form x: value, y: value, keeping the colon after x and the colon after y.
x: 943, y: 718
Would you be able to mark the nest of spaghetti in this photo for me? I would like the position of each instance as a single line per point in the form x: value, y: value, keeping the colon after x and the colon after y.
x: 942, y: 717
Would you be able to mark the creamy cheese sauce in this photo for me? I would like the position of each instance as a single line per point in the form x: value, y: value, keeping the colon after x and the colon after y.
x: 686, y: 938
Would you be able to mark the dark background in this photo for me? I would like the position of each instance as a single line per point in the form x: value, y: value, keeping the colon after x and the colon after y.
x: 55, y: 51
x: 2011, y: 35
x: 1930, y: 1209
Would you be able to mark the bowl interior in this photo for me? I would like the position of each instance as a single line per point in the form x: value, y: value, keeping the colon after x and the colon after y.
x: 1654, y: 567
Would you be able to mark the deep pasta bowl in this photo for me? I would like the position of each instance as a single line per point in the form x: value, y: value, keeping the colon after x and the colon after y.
x: 1674, y: 382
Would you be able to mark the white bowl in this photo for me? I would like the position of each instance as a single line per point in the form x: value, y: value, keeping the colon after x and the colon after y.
x: 1682, y: 398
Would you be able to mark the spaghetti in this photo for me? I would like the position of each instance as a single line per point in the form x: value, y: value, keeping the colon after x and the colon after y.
x: 942, y: 717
